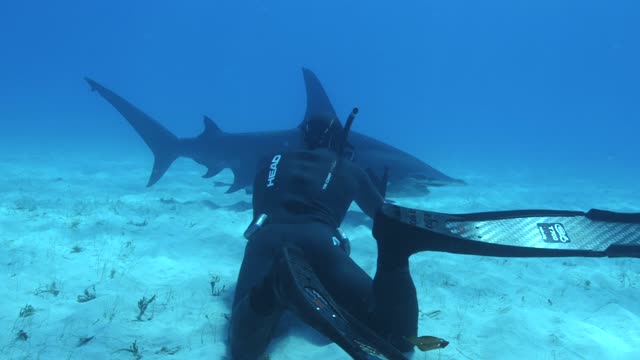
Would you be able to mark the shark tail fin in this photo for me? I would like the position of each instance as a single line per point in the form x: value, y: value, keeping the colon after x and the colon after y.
x: 347, y: 128
x: 163, y: 158
x: 165, y: 145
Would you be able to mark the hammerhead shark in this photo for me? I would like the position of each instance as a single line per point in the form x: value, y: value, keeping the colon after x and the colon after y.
x: 241, y: 152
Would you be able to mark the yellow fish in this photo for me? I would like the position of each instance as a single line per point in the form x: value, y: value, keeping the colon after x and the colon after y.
x: 426, y: 343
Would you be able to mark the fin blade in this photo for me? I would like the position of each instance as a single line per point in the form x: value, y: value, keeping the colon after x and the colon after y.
x: 518, y: 233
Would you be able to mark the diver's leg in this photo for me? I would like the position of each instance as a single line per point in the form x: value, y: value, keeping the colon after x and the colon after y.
x: 349, y: 285
x: 255, y: 312
x: 250, y: 331
x: 395, y: 315
x: 388, y: 303
x: 302, y: 292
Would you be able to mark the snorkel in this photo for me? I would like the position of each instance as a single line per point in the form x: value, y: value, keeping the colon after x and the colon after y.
x: 345, y: 132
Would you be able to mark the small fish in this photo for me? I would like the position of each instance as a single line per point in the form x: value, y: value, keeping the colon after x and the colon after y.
x: 427, y: 343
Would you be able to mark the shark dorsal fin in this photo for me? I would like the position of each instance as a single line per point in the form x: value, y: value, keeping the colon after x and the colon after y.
x: 317, y: 99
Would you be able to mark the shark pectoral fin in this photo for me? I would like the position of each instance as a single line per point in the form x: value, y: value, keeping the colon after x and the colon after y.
x: 211, y: 172
x: 242, y: 178
x: 235, y: 187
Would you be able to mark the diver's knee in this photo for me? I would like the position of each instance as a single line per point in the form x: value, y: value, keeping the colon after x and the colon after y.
x: 249, y: 341
x: 250, y: 332
x: 243, y: 352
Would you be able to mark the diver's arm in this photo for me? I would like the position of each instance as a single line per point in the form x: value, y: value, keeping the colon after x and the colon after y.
x: 379, y: 181
x: 367, y: 196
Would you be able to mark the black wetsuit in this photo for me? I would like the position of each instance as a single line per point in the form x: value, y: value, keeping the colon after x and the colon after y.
x: 306, y: 195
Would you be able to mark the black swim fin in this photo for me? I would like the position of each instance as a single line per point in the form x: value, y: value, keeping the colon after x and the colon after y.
x: 520, y: 233
x: 300, y: 291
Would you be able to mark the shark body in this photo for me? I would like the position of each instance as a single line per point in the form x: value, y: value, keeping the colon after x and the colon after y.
x: 241, y: 152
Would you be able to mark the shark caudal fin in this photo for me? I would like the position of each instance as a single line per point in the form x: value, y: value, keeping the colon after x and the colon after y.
x: 164, y: 145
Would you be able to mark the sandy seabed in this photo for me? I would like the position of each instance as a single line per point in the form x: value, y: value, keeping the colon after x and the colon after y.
x: 83, y: 243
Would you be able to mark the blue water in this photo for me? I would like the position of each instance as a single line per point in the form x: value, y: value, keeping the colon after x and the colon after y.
x: 535, y: 90
x: 492, y: 84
